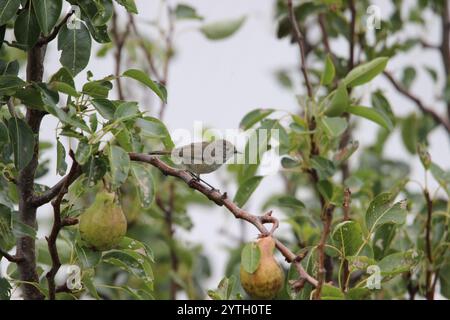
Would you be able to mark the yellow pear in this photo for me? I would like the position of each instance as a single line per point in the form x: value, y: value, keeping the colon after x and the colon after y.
x: 103, y: 224
x: 268, y: 278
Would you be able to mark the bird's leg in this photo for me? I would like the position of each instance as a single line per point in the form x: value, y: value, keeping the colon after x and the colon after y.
x: 197, y: 177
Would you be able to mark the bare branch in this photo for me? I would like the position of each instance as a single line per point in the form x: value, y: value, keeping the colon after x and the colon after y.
x: 10, y: 258
x: 425, y: 110
x: 223, y: 200
x: 58, y: 224
x: 327, y: 216
x: 301, y: 44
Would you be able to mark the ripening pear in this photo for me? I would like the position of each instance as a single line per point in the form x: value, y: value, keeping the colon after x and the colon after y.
x: 268, y: 278
x: 103, y: 224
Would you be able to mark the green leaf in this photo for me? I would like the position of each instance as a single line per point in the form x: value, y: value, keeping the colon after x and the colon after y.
x: 64, y: 88
x: 105, y: 107
x: 130, y: 5
x: 441, y: 176
x: 9, y: 84
x: 26, y: 27
x: 372, y: 115
x: 61, y: 165
x: 334, y: 127
x: 140, y: 76
x: 132, y: 262
x: 330, y: 292
x: 224, y: 289
x: 325, y: 168
x: 183, y: 11
x: 75, y: 45
x: 290, y: 202
x: 409, y: 74
x: 63, y: 75
x: 126, y: 111
x: 145, y: 183
x: 119, y: 162
x: 348, y: 235
x: 83, y: 153
x: 365, y: 72
x: 399, y: 262
x: 155, y: 128
x: 250, y: 257
x: 444, y: 280
x: 87, y: 257
x: 8, y: 9
x: 254, y: 117
x: 4, y: 136
x: 246, y: 189
x: 5, y: 289
x: 382, y: 211
x: 222, y: 29
x: 47, y: 13
x: 289, y: 163
x: 97, y: 89
x: 23, y: 142
x: 339, y: 102
x: 409, y: 131
x: 329, y: 72
x: 358, y: 294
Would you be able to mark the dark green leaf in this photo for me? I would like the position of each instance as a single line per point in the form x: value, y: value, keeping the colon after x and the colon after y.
x: 47, y: 13
x: 8, y: 9
x: 9, y: 84
x: 76, y: 48
x: 61, y: 165
x: 349, y: 237
x: 23, y: 142
x: 105, y: 107
x: 87, y: 257
x: 26, y: 27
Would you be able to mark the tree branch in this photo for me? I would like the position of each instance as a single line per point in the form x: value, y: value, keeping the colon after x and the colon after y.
x: 223, y: 200
x: 58, y: 224
x: 425, y: 110
x: 301, y: 44
x: 45, y: 40
x: 10, y: 258
x: 327, y: 217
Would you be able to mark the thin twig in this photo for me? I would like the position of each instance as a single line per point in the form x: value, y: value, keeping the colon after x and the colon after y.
x: 429, y: 252
x: 119, y: 40
x: 58, y: 224
x: 327, y: 216
x: 223, y: 200
x: 301, y: 44
x: 9, y: 257
x: 45, y: 40
x: 425, y: 110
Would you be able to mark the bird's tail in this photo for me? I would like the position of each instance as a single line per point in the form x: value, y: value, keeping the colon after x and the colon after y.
x: 159, y: 153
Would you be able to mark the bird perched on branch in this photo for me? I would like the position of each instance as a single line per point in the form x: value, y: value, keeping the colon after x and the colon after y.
x: 201, y: 157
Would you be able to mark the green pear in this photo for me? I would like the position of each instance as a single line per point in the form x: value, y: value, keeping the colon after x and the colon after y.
x: 268, y: 279
x: 103, y: 224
